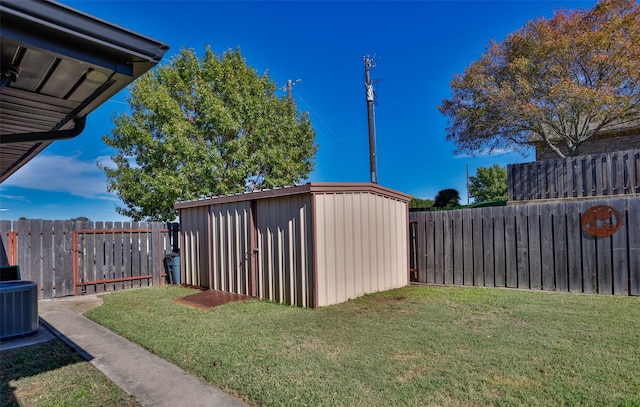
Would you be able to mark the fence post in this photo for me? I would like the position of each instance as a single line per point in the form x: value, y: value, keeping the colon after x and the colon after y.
x: 156, y: 252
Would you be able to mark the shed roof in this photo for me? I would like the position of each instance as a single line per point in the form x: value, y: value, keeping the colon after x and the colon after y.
x: 58, y: 65
x: 309, y: 188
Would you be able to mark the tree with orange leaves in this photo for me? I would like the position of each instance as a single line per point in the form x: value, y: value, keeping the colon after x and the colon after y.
x: 558, y: 80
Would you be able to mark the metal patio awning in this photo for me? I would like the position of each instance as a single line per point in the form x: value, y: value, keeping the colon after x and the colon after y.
x: 58, y: 65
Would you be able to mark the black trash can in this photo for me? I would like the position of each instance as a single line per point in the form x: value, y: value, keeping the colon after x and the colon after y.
x: 172, y: 267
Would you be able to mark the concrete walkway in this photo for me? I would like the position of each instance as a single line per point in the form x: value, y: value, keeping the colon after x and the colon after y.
x: 151, y: 379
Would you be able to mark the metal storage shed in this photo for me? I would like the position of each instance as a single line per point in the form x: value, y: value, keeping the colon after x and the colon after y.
x: 310, y: 245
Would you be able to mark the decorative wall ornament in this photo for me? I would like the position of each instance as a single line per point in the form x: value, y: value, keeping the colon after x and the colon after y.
x: 601, y: 220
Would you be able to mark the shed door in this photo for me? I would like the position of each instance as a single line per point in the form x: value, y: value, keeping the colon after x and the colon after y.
x: 231, y: 249
x: 281, y: 245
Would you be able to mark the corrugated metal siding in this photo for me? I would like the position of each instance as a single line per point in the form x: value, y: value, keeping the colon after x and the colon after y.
x: 285, y: 250
x: 361, y: 245
x: 216, y: 247
x: 230, y: 247
x: 316, y: 244
x: 193, y: 251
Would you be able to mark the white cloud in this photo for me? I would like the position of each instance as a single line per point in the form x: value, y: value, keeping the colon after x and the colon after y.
x: 106, y: 161
x: 59, y: 173
x: 19, y: 198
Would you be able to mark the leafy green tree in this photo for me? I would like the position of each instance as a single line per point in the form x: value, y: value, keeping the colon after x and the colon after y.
x: 420, y: 203
x: 489, y: 184
x: 447, y: 198
x: 557, y: 81
x: 205, y: 126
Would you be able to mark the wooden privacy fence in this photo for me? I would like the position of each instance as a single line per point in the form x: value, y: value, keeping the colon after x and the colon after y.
x: 71, y: 258
x: 535, y: 246
x: 584, y: 176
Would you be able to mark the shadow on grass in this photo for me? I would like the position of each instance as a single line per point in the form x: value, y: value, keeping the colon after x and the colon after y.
x: 31, y: 361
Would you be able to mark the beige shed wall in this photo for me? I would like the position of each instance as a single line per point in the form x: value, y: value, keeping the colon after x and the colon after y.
x: 285, y: 250
x: 361, y: 245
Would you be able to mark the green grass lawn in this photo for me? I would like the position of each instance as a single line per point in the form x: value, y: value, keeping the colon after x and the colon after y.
x: 416, y: 346
x: 52, y: 374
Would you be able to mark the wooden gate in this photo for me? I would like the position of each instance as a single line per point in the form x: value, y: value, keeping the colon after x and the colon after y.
x: 71, y: 258
x: 105, y: 259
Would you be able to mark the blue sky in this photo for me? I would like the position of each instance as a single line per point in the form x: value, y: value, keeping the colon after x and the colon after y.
x: 417, y: 47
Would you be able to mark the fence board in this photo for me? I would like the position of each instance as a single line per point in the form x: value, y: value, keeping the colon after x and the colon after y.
x: 498, y: 216
x: 589, y: 256
x: 633, y: 231
x: 636, y: 171
x: 619, y: 164
x: 522, y: 247
x: 35, y: 255
x: 604, y: 270
x: 488, y: 248
x: 511, y: 250
x: 5, y: 229
x: 559, y: 247
x: 607, y: 174
x: 421, y: 256
x: 535, y: 246
x: 448, y: 243
x: 538, y: 176
x: 438, y: 251
x: 511, y: 186
x: 547, y: 249
x: 579, y: 173
x: 63, y: 231
x: 467, y: 245
x: 478, y: 250
x: 154, y: 257
x: 110, y: 258
x: 127, y: 239
x: 136, y: 237
x: 458, y: 248
x: 147, y: 266
x: 590, y: 183
x: 102, y: 258
x: 568, y: 187
x: 23, y: 250
x: 619, y: 249
x: 574, y: 246
x: 48, y: 258
x: 602, y: 173
x: 535, y: 272
x: 428, y: 257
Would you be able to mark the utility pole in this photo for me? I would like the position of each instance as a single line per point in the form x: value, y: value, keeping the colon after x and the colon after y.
x: 290, y: 84
x: 368, y: 64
